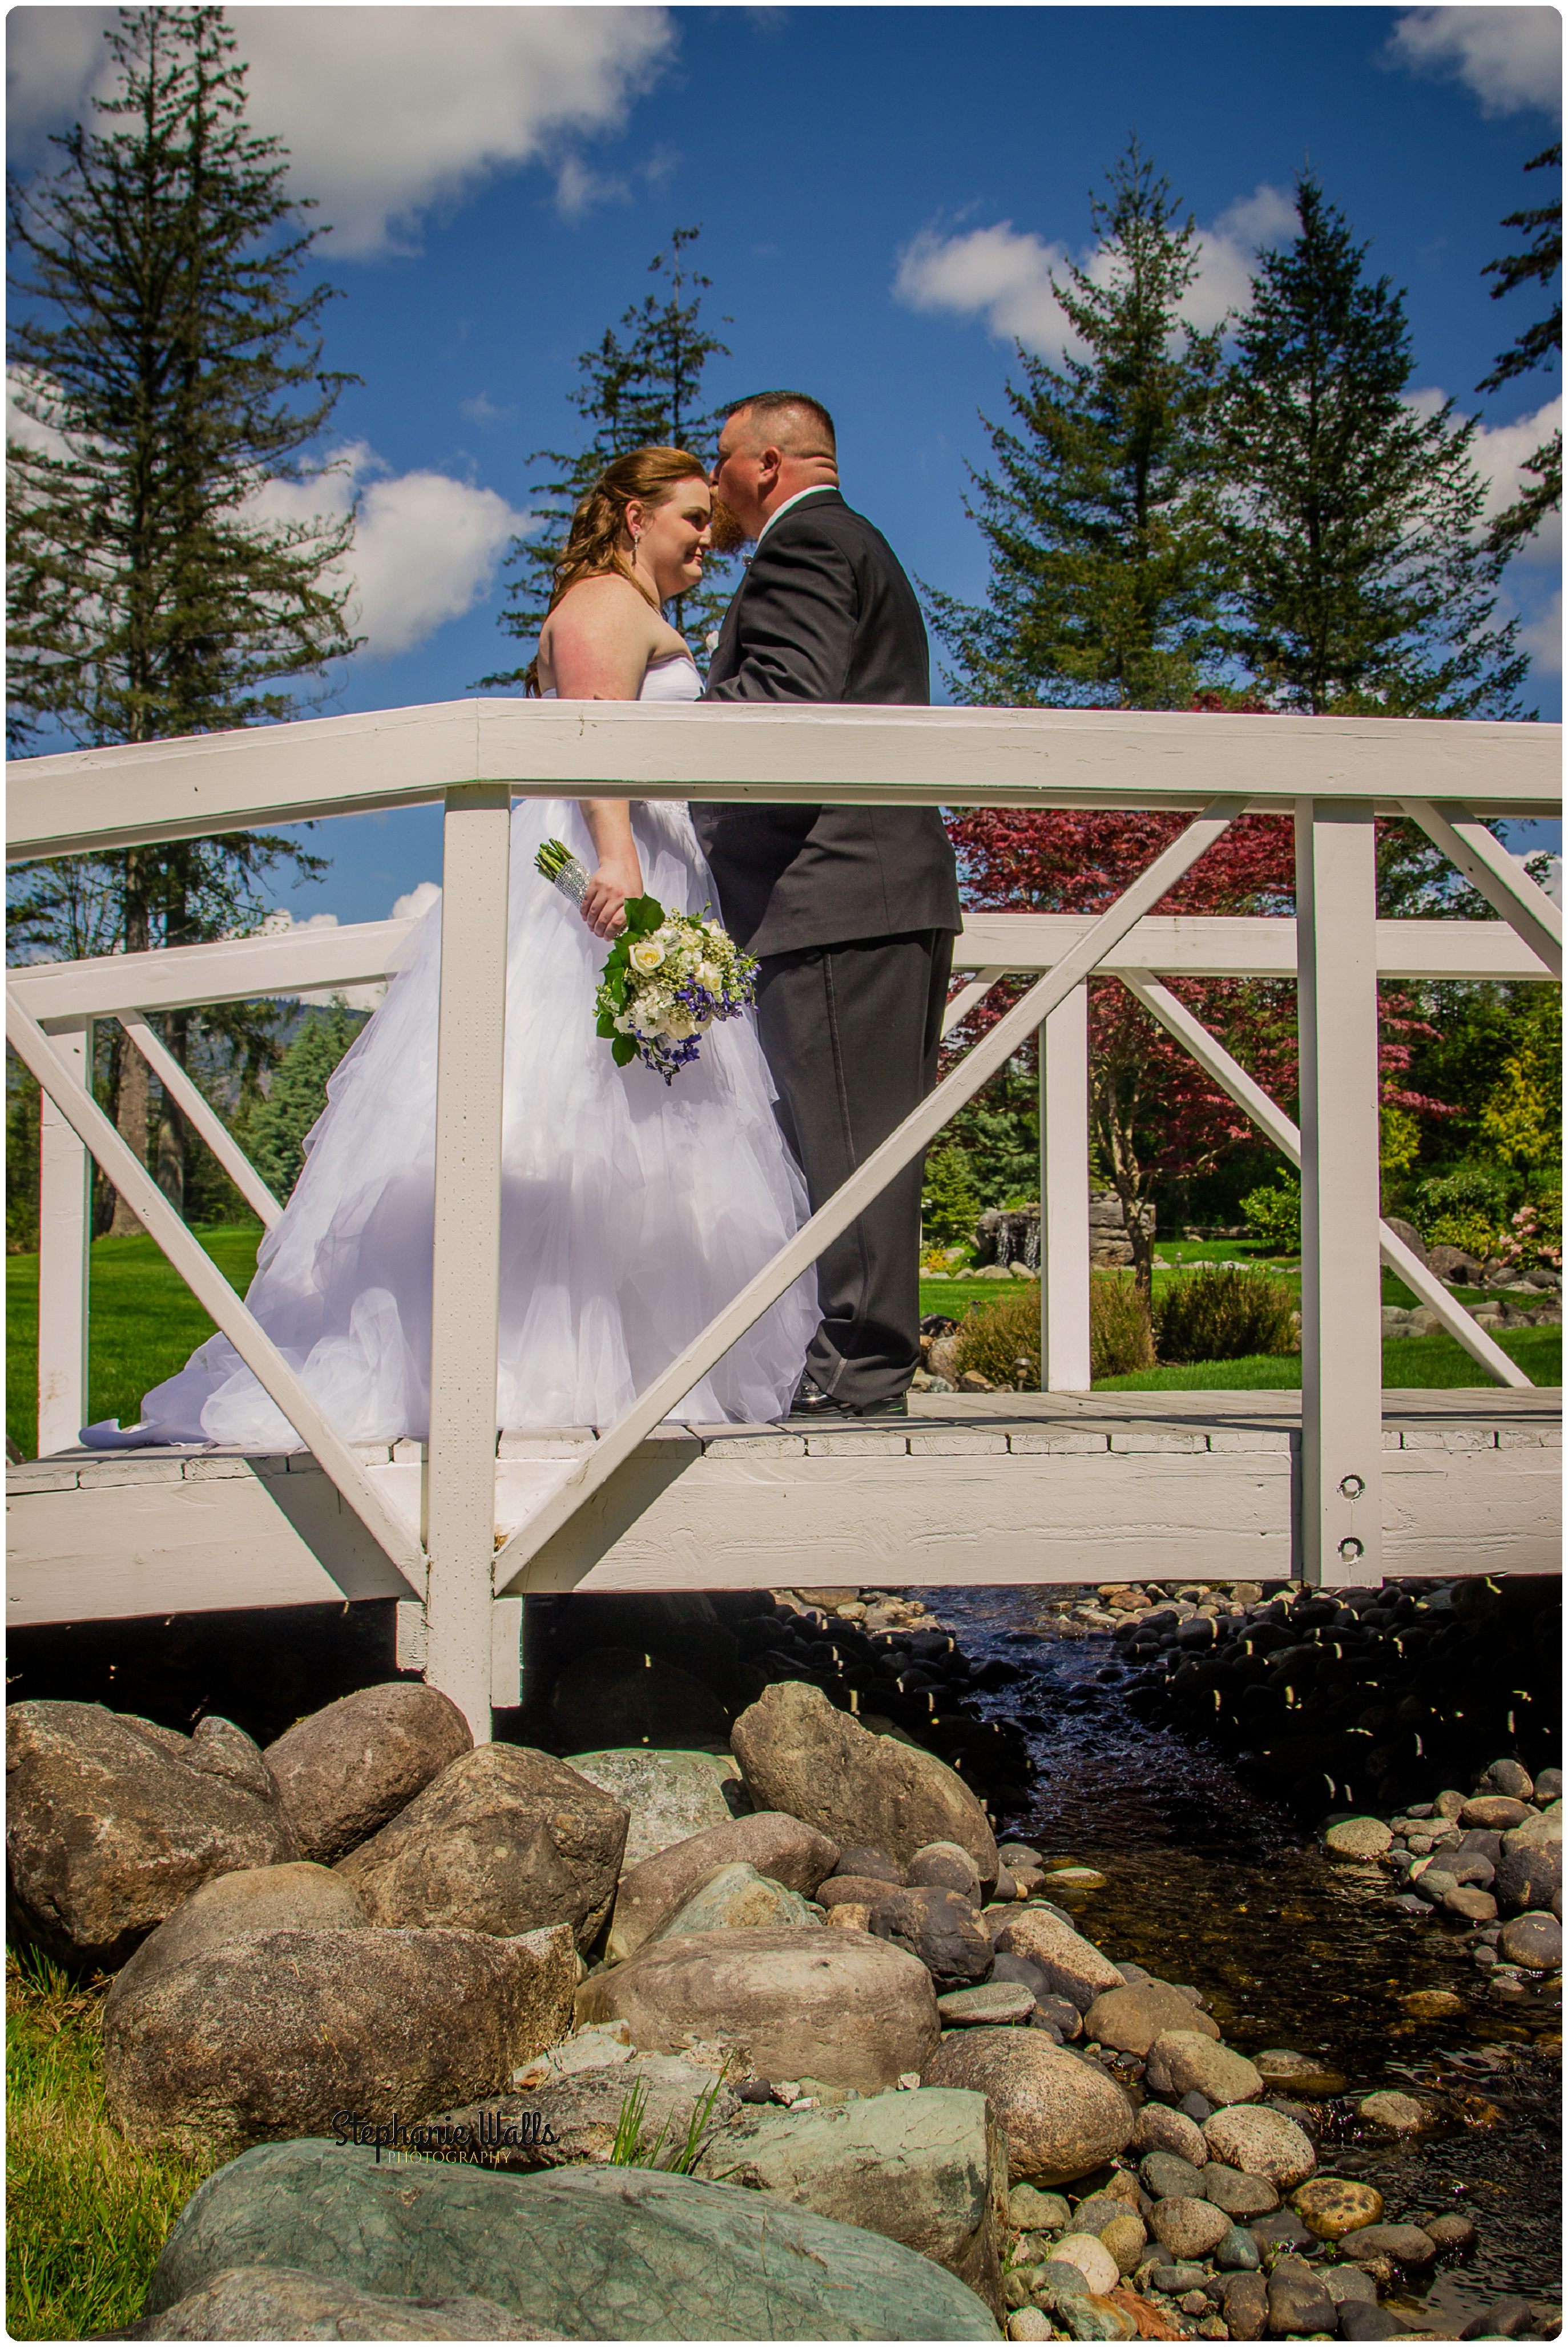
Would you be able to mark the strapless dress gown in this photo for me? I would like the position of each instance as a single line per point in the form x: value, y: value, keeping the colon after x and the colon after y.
x: 631, y: 1211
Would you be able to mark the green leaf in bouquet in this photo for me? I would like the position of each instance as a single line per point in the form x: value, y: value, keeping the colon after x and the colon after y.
x: 606, y: 1026
x: 615, y: 986
x: 623, y: 1051
x: 643, y: 915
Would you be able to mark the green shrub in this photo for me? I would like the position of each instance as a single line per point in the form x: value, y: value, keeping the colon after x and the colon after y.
x: 1483, y: 1190
x: 1000, y: 1341
x: 1219, y: 1314
x: 1274, y: 1216
x: 1121, y: 1335
x: 950, y: 1206
x: 993, y: 1339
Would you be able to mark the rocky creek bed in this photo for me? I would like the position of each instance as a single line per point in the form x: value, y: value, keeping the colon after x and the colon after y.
x: 489, y: 2039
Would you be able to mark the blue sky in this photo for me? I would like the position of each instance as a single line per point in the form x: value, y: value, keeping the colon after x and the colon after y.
x: 882, y: 191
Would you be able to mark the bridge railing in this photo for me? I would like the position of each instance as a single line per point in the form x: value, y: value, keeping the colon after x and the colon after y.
x: 1333, y: 776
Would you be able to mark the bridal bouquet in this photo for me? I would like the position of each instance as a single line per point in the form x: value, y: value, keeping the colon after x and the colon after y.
x: 668, y: 978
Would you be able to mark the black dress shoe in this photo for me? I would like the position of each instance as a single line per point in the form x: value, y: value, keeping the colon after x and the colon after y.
x: 812, y: 1403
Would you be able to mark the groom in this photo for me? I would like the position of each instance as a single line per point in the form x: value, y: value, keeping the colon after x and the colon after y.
x: 851, y: 911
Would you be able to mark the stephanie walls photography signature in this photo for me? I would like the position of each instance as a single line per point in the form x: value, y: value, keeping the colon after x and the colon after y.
x: 490, y: 2133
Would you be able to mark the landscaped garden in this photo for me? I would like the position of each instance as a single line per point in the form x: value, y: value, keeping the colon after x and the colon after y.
x: 144, y: 1324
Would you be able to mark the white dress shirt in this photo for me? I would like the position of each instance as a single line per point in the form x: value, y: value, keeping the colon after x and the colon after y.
x: 778, y: 513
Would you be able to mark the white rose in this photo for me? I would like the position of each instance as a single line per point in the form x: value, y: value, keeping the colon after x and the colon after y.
x: 646, y: 955
x: 708, y: 977
x: 680, y: 1025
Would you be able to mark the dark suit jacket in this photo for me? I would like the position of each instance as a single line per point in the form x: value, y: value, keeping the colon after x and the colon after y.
x: 825, y: 614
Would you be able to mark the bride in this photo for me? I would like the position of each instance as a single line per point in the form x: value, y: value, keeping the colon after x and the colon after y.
x: 631, y: 1211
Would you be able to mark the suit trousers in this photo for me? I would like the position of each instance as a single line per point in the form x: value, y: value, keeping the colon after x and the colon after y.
x: 851, y: 1034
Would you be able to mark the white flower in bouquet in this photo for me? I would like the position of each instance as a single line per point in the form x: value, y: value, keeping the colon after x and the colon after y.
x: 668, y: 978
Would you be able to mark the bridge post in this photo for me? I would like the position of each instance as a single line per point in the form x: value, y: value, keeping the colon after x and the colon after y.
x: 460, y: 1470
x: 65, y: 1229
x: 1064, y: 1196
x: 1341, y: 1323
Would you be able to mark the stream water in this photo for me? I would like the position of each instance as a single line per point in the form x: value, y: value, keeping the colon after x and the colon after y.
x: 1212, y: 1884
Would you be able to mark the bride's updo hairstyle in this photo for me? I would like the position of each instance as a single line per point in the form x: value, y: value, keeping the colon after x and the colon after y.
x: 647, y: 476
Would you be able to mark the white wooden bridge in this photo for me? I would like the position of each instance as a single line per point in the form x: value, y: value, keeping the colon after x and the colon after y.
x: 1341, y: 1484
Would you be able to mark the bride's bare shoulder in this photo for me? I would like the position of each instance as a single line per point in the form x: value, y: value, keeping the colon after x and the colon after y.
x: 606, y: 601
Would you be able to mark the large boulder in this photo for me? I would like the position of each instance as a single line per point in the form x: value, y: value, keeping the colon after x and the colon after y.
x: 590, y: 2252
x: 669, y: 1797
x: 273, y: 2035
x: 346, y: 1771
x: 928, y: 2170
x: 1074, y: 1967
x: 835, y: 2005
x: 111, y: 1822
x: 1185, y: 2062
x: 1132, y: 2018
x: 780, y: 1847
x: 1063, y: 2117
x: 504, y: 1841
x: 282, y: 2303
x: 738, y: 1898
x: 298, y: 1897
x: 622, y: 1695
x: 565, y: 2119
x: 802, y: 1755
x: 943, y: 1928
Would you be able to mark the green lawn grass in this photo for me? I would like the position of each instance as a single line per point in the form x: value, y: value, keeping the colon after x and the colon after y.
x: 86, y: 2214
x: 143, y: 1323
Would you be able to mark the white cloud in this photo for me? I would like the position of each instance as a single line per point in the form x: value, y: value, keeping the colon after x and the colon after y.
x: 53, y: 56
x: 1227, y: 253
x: 1501, y: 451
x: 1510, y: 57
x: 426, y: 547
x: 417, y: 902
x: 387, y: 112
x: 1003, y: 274
x: 998, y: 274
x: 1543, y: 640
x: 27, y: 430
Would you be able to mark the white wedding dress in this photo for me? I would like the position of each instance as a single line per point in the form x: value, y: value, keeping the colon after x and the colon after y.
x: 631, y: 1211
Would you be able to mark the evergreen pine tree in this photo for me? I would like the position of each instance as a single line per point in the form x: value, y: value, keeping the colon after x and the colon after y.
x: 274, y: 1131
x: 1539, y: 345
x: 1353, y: 519
x: 160, y: 339
x: 640, y: 388
x: 1102, y: 570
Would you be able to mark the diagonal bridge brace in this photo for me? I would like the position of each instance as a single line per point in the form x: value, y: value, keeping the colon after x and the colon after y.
x: 212, y: 1291
x: 579, y: 1483
x: 1215, y: 1060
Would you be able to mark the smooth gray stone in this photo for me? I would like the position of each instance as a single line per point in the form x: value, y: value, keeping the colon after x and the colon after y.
x: 280, y: 2302
x: 591, y: 2253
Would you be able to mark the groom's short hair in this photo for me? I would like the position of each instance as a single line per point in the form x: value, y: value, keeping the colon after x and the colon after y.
x: 800, y: 425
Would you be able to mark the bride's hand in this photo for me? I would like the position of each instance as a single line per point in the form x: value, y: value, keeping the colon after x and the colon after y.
x: 616, y: 876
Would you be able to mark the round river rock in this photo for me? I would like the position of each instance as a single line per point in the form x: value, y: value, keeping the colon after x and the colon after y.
x: 1061, y: 2116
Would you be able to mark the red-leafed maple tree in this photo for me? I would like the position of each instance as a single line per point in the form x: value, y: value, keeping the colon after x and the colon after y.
x: 1155, y: 1114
